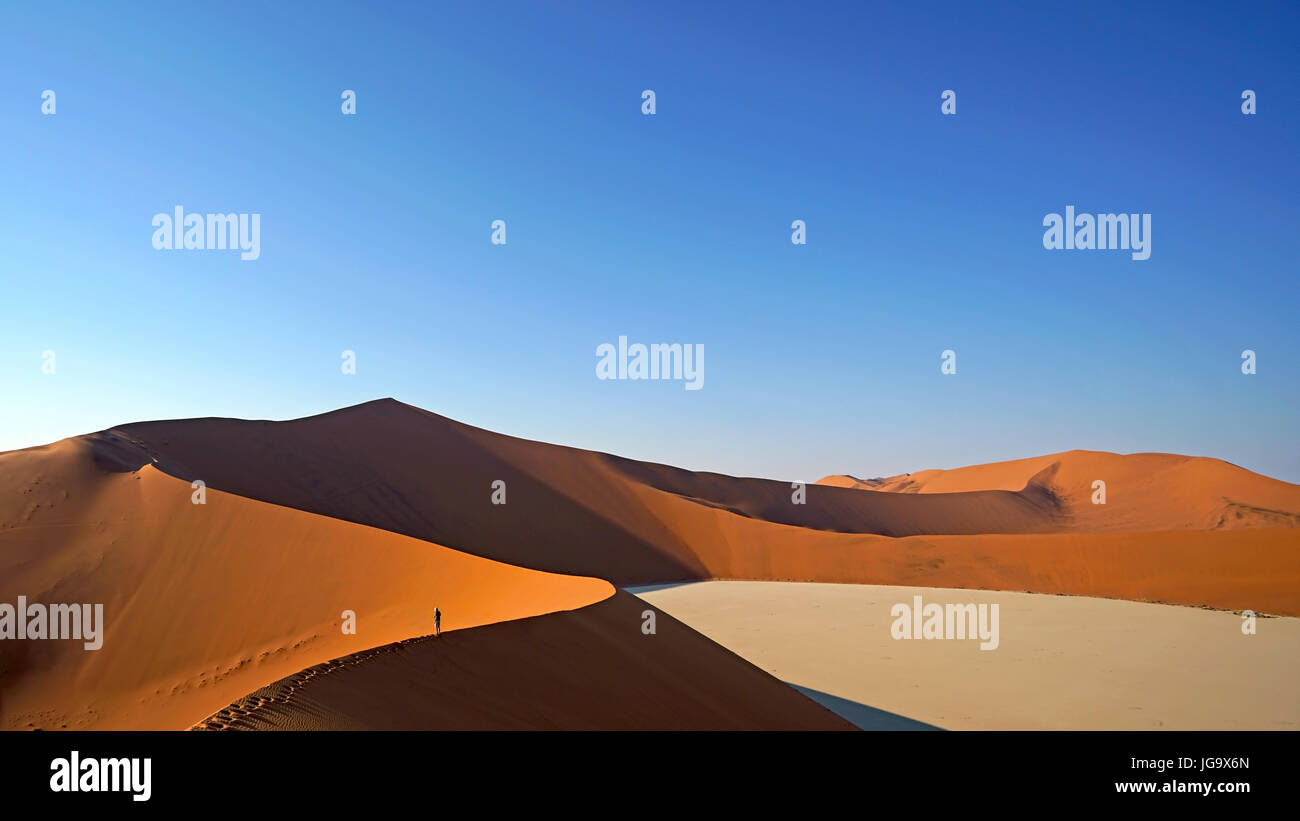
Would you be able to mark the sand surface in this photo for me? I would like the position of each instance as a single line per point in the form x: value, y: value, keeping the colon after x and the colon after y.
x: 590, y: 669
x: 1063, y: 662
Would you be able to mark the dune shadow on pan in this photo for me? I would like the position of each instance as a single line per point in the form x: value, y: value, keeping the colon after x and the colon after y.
x: 637, y: 590
x: 862, y: 716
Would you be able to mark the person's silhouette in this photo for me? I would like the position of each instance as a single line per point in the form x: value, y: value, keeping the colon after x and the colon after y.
x: 437, y: 622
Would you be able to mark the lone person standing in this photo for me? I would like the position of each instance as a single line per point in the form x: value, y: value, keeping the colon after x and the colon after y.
x: 437, y: 622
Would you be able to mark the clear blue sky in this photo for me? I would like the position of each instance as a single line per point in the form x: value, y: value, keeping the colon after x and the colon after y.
x: 924, y: 231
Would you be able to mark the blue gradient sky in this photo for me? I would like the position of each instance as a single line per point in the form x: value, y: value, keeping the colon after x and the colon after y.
x: 924, y: 231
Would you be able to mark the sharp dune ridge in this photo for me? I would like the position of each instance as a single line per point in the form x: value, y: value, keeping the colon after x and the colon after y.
x: 579, y: 670
x: 386, y: 509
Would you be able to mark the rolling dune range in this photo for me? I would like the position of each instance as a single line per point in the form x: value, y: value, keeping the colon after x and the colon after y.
x: 385, y: 509
x: 402, y: 469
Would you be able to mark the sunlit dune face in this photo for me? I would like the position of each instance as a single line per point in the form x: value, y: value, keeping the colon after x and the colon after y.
x: 204, y: 603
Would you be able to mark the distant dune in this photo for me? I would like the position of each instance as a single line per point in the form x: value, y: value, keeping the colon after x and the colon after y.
x: 387, y: 510
x: 1144, y: 491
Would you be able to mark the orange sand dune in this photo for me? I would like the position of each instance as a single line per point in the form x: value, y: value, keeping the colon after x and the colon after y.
x: 396, y: 467
x: 399, y: 468
x: 204, y: 603
x: 1144, y: 491
x: 1234, y: 570
x: 589, y: 669
x: 1239, y: 569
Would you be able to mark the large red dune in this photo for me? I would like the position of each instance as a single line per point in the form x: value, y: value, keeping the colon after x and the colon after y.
x: 589, y: 669
x: 403, y: 469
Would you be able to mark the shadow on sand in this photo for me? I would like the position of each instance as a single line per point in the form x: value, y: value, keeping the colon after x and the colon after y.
x: 637, y: 590
x: 862, y: 716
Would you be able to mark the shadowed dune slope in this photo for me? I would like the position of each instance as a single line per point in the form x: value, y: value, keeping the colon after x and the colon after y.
x: 389, y: 465
x: 403, y: 469
x: 203, y: 603
x: 537, y: 673
x: 1255, y: 569
x: 397, y: 467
